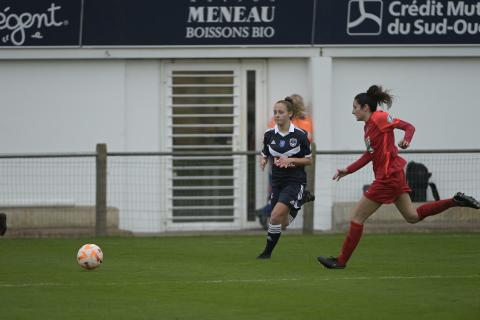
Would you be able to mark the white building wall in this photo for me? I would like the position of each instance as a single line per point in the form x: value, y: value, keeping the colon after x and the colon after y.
x: 61, y: 106
x: 144, y: 112
x: 285, y: 77
x: 439, y: 96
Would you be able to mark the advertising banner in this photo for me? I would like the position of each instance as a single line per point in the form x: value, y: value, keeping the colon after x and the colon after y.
x: 397, y: 22
x: 197, y: 22
x: 40, y: 23
x: 155, y: 23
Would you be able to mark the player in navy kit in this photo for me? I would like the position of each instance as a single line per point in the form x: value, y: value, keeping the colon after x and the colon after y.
x: 289, y: 148
x: 390, y: 185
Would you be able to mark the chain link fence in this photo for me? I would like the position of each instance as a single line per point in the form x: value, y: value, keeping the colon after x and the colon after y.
x: 154, y: 193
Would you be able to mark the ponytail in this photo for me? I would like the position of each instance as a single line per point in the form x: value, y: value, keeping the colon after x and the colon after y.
x: 374, y: 96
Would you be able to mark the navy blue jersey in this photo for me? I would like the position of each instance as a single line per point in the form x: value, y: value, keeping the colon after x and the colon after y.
x: 292, y: 145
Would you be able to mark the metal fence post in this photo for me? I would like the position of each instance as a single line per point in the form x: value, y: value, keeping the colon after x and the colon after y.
x: 101, y: 190
x: 308, y: 207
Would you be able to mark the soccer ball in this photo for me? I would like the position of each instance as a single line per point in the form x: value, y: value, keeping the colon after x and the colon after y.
x: 90, y: 256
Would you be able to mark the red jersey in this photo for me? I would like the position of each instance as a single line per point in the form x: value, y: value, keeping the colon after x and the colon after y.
x: 380, y: 143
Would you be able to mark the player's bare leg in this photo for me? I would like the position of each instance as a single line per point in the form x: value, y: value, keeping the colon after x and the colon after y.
x: 412, y: 215
x: 405, y: 206
x: 364, y: 209
x: 278, y: 217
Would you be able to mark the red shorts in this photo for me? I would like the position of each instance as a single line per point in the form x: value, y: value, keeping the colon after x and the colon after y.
x: 388, y: 190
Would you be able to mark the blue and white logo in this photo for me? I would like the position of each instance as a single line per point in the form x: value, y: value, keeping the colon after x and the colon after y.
x: 293, y: 142
x: 364, y: 17
x: 282, y: 143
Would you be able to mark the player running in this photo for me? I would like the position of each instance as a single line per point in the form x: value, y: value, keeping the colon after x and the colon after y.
x: 302, y: 121
x: 390, y: 185
x: 290, y: 149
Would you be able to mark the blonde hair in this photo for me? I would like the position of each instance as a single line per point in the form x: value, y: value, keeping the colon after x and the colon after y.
x: 298, y: 105
x: 294, y: 104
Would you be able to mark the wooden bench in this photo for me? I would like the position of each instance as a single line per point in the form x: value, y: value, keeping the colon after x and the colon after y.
x: 57, y: 220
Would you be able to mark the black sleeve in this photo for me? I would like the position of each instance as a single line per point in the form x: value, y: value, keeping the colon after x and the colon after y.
x: 266, y: 141
x: 305, y: 146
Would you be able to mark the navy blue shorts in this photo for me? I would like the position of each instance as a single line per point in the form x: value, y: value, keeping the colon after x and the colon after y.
x: 289, y: 194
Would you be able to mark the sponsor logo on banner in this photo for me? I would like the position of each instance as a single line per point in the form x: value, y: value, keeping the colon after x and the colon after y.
x: 413, y: 18
x: 17, y: 27
x: 227, y: 19
x: 430, y: 17
x: 364, y: 17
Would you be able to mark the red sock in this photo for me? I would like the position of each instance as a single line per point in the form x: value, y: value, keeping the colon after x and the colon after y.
x: 350, y: 242
x: 433, y: 208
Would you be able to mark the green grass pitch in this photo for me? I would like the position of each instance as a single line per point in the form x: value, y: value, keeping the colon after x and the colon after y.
x: 397, y: 276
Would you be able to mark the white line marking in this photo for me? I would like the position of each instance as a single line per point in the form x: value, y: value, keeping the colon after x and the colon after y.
x: 426, y: 277
x: 26, y: 285
x: 220, y: 281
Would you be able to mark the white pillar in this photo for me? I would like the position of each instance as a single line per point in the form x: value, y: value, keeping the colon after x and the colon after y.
x: 321, y: 82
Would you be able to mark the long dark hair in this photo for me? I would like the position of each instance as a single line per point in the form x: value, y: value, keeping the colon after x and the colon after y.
x: 374, y: 96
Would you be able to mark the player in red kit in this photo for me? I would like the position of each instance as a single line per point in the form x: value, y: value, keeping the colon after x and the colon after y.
x: 390, y: 185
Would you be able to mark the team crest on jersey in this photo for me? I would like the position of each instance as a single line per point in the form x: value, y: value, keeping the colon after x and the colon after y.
x: 282, y: 143
x: 293, y: 142
x: 368, y: 145
x: 389, y: 118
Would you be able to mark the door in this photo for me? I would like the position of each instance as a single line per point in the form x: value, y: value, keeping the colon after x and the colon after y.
x: 207, y: 111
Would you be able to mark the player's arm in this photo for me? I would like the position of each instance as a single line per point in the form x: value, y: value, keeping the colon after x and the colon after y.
x: 293, y: 162
x: 409, y: 131
x: 265, y: 154
x: 386, y: 122
x: 306, y: 152
x: 360, y: 163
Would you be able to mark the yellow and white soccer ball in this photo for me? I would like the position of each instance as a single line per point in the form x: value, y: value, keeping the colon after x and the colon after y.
x: 90, y: 256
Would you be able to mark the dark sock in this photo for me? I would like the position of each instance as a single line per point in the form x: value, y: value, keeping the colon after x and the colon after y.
x: 274, y: 232
x: 350, y: 243
x: 433, y: 208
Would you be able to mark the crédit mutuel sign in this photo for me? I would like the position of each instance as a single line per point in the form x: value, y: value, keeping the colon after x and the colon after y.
x: 422, y: 21
x: 230, y: 19
x: 457, y: 17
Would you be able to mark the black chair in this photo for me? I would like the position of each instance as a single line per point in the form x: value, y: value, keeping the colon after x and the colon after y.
x: 418, y: 178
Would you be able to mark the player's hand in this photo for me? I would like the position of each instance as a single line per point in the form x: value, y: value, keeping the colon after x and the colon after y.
x: 263, y: 162
x: 284, y: 162
x: 404, y: 144
x: 340, y: 174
